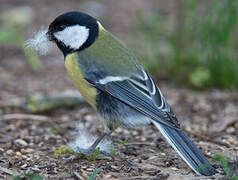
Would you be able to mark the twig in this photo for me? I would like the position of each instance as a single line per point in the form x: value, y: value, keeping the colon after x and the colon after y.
x: 207, y: 138
x: 8, y: 117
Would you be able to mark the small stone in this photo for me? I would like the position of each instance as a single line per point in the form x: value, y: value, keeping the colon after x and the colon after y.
x: 134, y: 133
x: 113, y: 167
x: 162, y: 154
x: 89, y: 169
x: 151, y: 150
x: 213, y: 117
x: 18, y: 153
x: 9, y: 152
x: 119, y: 130
x: 15, y: 158
x: 88, y: 117
x: 136, y: 160
x: 1, y: 150
x: 24, y: 156
x: 107, y: 176
x: 230, y: 130
x: 28, y: 150
x: 28, y: 159
x: 46, y: 138
x: 152, y: 157
x: 168, y: 163
x: 41, y: 144
x: 24, y: 166
x: 174, y: 168
x: 31, y: 144
x: 84, y: 174
x: 143, y: 139
x: 126, y: 132
x: 65, y: 118
x: 35, y: 169
x: 22, y: 142
x: 144, y: 157
x: 231, y: 141
x: 221, y: 148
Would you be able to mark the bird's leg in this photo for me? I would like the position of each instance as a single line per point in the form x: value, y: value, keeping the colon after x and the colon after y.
x: 92, y: 148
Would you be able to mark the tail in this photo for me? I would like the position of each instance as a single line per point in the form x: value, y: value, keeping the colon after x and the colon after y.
x: 187, y: 150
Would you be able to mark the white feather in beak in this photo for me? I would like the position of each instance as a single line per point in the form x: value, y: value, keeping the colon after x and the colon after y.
x: 40, y: 43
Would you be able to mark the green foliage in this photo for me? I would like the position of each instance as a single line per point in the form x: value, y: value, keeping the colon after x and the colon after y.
x: 95, y: 154
x: 113, y: 152
x: 198, y: 49
x: 122, y: 144
x: 64, y: 150
x: 225, y: 166
x: 28, y: 176
x: 95, y: 173
x: 224, y: 163
x: 200, y: 77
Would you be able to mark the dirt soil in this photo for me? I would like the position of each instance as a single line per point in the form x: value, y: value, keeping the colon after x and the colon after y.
x: 28, y: 144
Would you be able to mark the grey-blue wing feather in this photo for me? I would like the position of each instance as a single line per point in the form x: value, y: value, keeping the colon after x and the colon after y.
x: 127, y: 93
x: 139, y: 98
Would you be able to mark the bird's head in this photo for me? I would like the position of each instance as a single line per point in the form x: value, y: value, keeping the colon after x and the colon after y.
x: 73, y: 31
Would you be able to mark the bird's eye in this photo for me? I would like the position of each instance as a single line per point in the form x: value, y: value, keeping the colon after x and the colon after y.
x: 60, y: 27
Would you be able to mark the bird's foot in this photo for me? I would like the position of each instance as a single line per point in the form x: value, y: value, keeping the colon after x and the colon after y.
x: 85, y: 152
x: 90, y: 153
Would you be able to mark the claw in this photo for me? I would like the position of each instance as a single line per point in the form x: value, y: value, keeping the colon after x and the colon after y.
x: 86, y: 153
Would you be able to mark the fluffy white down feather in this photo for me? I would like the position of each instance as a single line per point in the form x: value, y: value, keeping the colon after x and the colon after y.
x: 40, y: 43
x: 84, y: 140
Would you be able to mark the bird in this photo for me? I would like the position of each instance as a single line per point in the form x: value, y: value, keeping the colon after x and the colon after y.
x: 111, y: 79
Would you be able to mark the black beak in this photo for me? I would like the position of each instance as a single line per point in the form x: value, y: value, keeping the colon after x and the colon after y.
x: 50, y: 36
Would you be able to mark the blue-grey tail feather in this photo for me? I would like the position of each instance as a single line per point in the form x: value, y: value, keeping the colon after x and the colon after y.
x: 179, y: 140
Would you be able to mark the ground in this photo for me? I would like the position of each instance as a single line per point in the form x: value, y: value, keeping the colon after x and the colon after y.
x: 28, y: 143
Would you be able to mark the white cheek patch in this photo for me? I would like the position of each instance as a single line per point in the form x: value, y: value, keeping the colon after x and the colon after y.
x: 40, y: 43
x: 73, y: 36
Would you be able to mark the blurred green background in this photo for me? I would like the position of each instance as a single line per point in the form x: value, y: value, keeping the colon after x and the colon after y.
x: 197, y: 48
x: 188, y: 43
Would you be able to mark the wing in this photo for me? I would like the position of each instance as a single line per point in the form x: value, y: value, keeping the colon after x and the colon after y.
x: 141, y: 93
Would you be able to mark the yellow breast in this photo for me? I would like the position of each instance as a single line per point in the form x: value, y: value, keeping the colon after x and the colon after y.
x: 86, y: 90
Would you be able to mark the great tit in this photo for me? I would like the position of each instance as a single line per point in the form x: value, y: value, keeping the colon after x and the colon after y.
x: 111, y: 80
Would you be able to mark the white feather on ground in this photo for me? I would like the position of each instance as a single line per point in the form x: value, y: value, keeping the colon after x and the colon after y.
x: 40, y: 43
x: 84, y: 140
